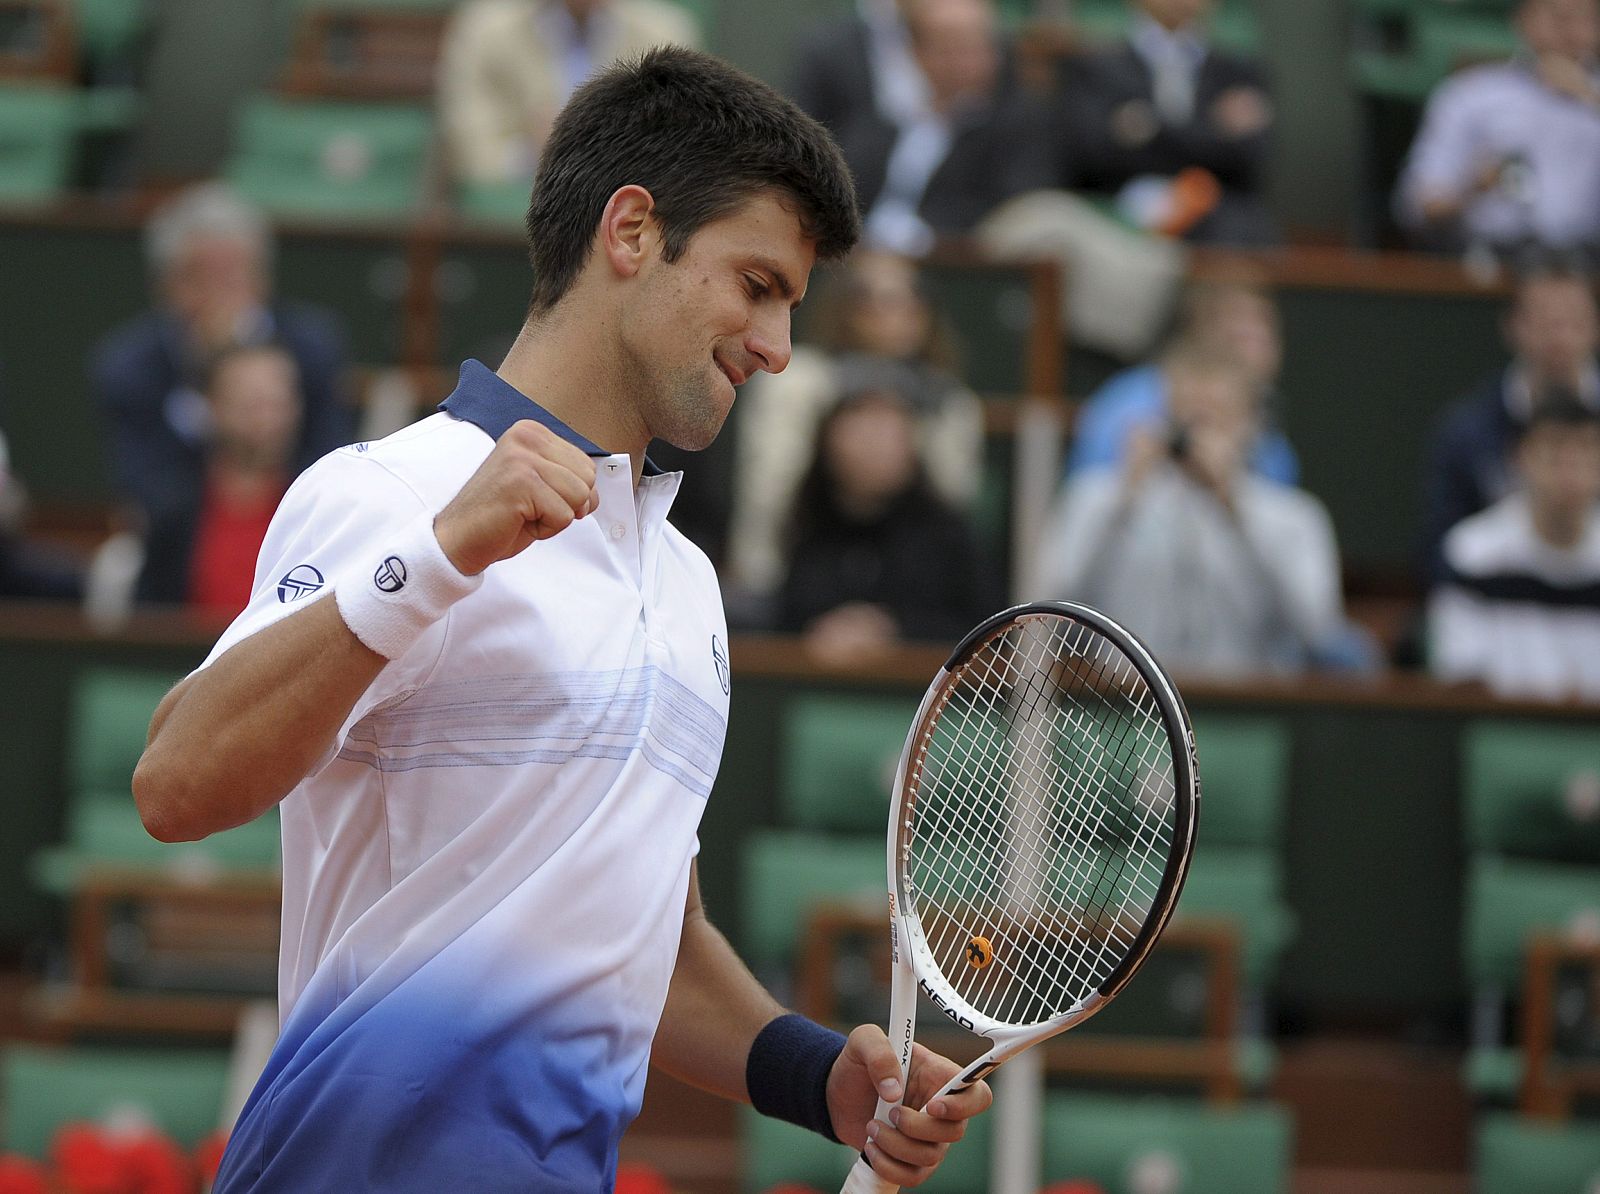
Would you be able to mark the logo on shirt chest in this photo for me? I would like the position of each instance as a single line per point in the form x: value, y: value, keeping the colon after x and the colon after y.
x: 719, y: 659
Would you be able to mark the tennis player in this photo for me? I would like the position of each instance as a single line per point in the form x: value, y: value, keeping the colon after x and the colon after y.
x: 488, y: 684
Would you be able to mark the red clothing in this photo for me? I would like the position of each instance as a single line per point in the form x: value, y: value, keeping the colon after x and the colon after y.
x: 222, y: 567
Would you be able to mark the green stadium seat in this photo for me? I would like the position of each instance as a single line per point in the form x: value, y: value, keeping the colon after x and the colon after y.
x: 1533, y: 790
x: 497, y: 205
x: 109, y: 31
x: 788, y: 874
x: 1509, y: 902
x: 1515, y: 1155
x: 42, y: 1088
x: 1245, y: 887
x: 1449, y: 37
x: 38, y: 124
x: 110, y: 719
x: 839, y: 758
x: 1244, y: 767
x: 332, y: 159
x: 1233, y: 24
x: 1129, y: 1145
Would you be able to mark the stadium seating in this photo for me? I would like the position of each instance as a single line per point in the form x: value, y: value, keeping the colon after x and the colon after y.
x: 152, y: 924
x: 332, y: 160
x: 38, y: 124
x: 1533, y: 790
x: 1516, y: 1155
x: 43, y: 1088
x: 1128, y: 1146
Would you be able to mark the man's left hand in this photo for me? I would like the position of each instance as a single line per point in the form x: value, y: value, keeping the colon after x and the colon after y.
x: 908, y: 1148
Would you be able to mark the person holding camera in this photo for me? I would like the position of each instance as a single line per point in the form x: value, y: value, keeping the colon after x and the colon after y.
x: 1219, y: 570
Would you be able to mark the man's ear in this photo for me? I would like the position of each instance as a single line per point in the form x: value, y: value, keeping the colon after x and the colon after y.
x: 628, y: 232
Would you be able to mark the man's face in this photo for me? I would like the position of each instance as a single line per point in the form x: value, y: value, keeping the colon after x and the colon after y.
x: 1245, y: 324
x: 955, y: 45
x: 215, y: 279
x: 887, y: 315
x: 1570, y: 28
x: 1560, y: 466
x: 699, y: 326
x: 255, y: 407
x: 1555, y: 328
x: 1174, y: 14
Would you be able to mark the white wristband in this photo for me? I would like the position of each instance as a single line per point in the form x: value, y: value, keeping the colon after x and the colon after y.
x: 406, y: 585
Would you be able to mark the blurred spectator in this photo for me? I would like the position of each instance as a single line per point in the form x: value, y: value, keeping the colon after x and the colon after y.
x: 1506, y: 154
x: 1218, y: 570
x: 975, y: 142
x: 205, y: 556
x: 26, y: 570
x: 874, y: 326
x: 1553, y: 330
x: 1519, y: 607
x: 1231, y: 317
x: 508, y: 66
x: 859, y: 63
x: 211, y: 255
x: 1173, y: 129
x: 875, y: 555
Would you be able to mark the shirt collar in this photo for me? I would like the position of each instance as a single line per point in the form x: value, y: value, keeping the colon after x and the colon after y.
x: 1155, y: 42
x: 492, y: 404
x: 1519, y: 389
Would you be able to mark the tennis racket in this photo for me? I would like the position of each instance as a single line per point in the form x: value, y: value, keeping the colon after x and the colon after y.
x: 1043, y: 819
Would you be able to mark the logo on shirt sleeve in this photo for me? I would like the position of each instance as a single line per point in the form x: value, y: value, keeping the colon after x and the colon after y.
x: 391, y: 575
x: 300, y: 581
x: 719, y: 659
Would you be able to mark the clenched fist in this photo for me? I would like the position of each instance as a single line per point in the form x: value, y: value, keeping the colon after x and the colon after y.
x: 533, y: 485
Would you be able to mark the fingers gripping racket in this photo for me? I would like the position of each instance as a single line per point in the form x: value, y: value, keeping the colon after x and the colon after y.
x: 1043, y: 820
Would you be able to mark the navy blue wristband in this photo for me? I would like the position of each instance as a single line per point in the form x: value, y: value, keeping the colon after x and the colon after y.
x: 787, y: 1072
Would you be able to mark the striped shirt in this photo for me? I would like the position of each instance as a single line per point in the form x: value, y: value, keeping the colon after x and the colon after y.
x: 1516, y: 613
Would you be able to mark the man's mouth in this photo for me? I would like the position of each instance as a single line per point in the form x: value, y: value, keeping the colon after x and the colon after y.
x: 728, y: 371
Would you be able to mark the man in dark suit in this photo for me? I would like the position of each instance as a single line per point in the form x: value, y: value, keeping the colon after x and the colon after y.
x: 1167, y: 105
x: 858, y: 63
x: 210, y: 253
x: 1553, y: 331
x: 976, y: 141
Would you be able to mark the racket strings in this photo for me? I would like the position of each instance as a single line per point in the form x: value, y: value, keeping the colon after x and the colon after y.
x: 1042, y: 810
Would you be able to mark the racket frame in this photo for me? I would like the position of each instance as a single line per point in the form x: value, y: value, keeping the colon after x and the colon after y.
x: 913, y: 964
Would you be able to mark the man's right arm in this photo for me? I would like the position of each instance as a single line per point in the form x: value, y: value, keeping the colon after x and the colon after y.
x: 236, y: 737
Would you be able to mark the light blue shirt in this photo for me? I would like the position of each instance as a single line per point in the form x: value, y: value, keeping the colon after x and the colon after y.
x: 1137, y: 398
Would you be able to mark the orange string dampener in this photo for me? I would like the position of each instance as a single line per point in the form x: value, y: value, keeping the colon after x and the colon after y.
x: 979, y: 953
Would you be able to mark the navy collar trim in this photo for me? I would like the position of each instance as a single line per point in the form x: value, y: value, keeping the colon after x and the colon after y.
x: 492, y: 404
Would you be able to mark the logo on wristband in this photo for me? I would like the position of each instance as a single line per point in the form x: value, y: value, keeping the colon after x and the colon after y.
x: 391, y: 575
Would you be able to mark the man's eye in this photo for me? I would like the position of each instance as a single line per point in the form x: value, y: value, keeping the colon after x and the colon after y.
x: 756, y: 286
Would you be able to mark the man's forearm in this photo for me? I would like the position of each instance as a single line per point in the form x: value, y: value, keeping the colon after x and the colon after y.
x: 715, y: 1008
x: 234, y: 739
x: 714, y: 1011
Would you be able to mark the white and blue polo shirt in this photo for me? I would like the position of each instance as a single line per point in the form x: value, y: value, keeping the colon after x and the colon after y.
x: 484, y: 880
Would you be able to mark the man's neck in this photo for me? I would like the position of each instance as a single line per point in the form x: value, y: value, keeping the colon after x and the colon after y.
x: 554, y: 363
x: 1561, y: 529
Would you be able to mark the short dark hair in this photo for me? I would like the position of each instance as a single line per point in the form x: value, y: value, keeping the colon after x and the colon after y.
x: 697, y: 134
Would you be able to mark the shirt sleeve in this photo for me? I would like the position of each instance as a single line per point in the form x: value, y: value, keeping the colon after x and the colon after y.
x: 328, y: 527
x: 1457, y: 632
x: 1444, y: 154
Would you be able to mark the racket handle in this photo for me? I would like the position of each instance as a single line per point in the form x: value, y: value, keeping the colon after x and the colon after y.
x: 863, y: 1180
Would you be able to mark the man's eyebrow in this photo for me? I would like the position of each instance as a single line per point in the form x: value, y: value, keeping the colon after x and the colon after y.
x: 779, y: 278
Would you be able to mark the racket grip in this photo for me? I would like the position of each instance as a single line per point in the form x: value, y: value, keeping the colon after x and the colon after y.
x: 863, y: 1180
